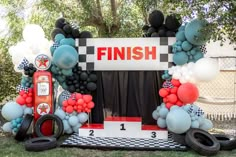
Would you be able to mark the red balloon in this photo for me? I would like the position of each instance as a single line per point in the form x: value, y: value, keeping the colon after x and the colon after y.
x: 20, y: 100
x: 174, y: 90
x: 172, y: 98
x: 30, y: 90
x: 165, y: 100
x: 175, y: 82
x: 24, y: 95
x: 79, y: 110
x: 71, y: 102
x: 79, y: 107
x: 163, y: 92
x: 179, y: 103
x: 78, y: 96
x: 65, y: 103
x: 69, y: 109
x: 80, y: 102
x: 30, y: 94
x: 87, y: 98
x: 22, y: 92
x: 90, y: 105
x: 188, y: 93
x: 84, y: 105
x: 75, y: 107
x: 29, y: 100
x: 168, y: 105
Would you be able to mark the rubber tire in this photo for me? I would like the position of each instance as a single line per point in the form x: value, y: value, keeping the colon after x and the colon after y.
x: 40, y: 144
x: 226, y: 143
x: 42, y: 119
x: 199, y: 140
x: 22, y: 133
x: 179, y: 138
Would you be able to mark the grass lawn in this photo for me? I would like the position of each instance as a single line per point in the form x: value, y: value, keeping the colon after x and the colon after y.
x: 11, y: 148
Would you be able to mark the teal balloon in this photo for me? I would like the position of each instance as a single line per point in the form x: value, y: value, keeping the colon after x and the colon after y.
x: 54, y: 70
x: 68, y: 41
x: 155, y: 114
x: 65, y: 57
x: 66, y: 125
x: 194, y: 34
x: 163, y: 112
x: 180, y: 36
x: 180, y: 58
x: 67, y: 72
x: 83, y: 117
x: 64, y: 86
x: 178, y: 121
x: 161, y: 123
x: 60, y: 113
x: 12, y: 110
x: 207, y: 125
x: 195, y: 124
x: 52, y: 49
x: 186, y: 46
x: 198, y: 55
x: 181, y: 28
x: 60, y: 79
x: 7, y: 127
x: 59, y: 37
x: 76, y: 128
x: 73, y: 120
x: 18, y: 120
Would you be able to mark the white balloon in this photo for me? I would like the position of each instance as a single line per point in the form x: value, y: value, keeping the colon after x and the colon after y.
x: 7, y: 127
x: 206, y: 69
x: 33, y: 33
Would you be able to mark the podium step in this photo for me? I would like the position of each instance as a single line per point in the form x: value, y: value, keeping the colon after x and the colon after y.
x: 121, y: 143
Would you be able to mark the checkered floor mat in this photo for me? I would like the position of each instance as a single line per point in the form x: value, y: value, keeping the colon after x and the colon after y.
x: 122, y: 143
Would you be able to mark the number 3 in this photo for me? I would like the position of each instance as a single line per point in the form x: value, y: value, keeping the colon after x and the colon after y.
x: 154, y: 135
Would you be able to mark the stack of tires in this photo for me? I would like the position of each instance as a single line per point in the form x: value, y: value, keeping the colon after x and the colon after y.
x: 205, y: 143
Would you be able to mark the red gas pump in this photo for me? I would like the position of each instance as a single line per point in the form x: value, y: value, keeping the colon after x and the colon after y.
x: 43, y: 93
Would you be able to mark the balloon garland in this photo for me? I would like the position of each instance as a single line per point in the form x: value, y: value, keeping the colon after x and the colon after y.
x: 73, y: 108
x: 178, y: 112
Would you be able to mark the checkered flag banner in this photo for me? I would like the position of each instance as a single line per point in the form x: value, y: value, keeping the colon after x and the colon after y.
x: 74, y: 25
x: 66, y: 94
x: 20, y: 88
x: 199, y: 112
x: 55, y: 45
x: 167, y: 84
x: 23, y: 63
x: 203, y: 49
x: 190, y: 110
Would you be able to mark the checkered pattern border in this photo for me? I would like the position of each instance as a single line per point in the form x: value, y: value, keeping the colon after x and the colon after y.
x: 122, y: 143
x: 87, y: 53
x: 20, y: 88
x: 23, y: 63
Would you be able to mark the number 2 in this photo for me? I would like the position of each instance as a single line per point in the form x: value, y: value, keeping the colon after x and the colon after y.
x: 91, y: 132
x: 122, y: 126
x: 154, y: 135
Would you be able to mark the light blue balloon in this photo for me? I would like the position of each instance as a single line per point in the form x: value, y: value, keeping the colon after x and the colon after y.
x: 180, y: 36
x: 186, y: 107
x: 66, y: 124
x: 207, y: 125
x: 60, y: 113
x: 195, y: 124
x: 193, y: 118
x: 155, y: 114
x: 59, y: 37
x: 178, y: 121
x: 163, y: 105
x: 69, y: 131
x: 161, y: 123
x: 201, y: 120
x: 83, y: 117
x: 67, y: 72
x: 76, y: 128
x: 65, y: 57
x: 174, y: 107
x: 163, y: 112
x: 28, y: 110
x: 196, y: 117
x: 180, y: 58
x: 7, y: 127
x: 194, y: 34
x: 158, y: 108
x: 198, y: 55
x: 73, y: 120
x: 186, y: 46
x: 12, y: 110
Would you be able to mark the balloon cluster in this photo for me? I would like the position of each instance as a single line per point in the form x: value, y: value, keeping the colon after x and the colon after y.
x: 180, y: 119
x: 158, y: 28
x: 27, y: 82
x: 71, y: 122
x: 83, y: 82
x: 78, y: 103
x: 189, y: 40
x: 15, y: 124
x: 29, y: 70
x: 25, y: 98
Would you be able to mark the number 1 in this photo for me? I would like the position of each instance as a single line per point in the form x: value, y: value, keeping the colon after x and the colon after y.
x: 122, y: 126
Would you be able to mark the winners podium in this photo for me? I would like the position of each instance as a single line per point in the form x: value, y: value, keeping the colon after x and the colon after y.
x: 123, y: 133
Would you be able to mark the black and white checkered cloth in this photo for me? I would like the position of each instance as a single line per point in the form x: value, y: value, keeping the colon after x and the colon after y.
x: 203, y: 49
x: 122, y: 143
x: 167, y: 84
x: 66, y: 94
x: 20, y: 88
x: 199, y: 112
x: 23, y: 63
x: 87, y: 53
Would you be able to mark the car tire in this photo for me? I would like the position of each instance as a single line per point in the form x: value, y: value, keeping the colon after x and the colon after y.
x: 202, y: 142
x: 40, y: 144
x: 24, y: 127
x: 226, y: 143
x: 179, y: 138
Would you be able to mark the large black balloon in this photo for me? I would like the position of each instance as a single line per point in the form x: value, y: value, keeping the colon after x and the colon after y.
x: 93, y: 77
x: 71, y: 88
x: 75, y: 33
x: 85, y: 34
x: 162, y: 33
x: 170, y: 34
x: 67, y: 28
x: 83, y: 76
x: 91, y: 86
x: 156, y: 18
x: 60, y: 23
x: 172, y: 23
x: 57, y: 31
x: 155, y: 34
x: 151, y: 30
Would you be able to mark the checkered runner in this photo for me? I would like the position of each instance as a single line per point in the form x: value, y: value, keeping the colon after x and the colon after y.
x: 87, y: 53
x: 122, y: 143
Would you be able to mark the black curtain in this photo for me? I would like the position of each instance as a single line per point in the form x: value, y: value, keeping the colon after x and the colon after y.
x: 127, y: 93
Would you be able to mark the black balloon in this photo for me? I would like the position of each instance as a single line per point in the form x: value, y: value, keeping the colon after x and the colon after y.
x: 57, y: 31
x: 67, y: 28
x: 85, y: 34
x: 170, y: 34
x: 60, y: 23
x: 151, y: 30
x: 69, y: 36
x: 156, y: 18
x: 93, y: 77
x: 162, y: 33
x: 155, y: 34
x: 75, y: 33
x: 172, y: 23
x: 145, y: 28
x: 91, y: 86
x: 71, y: 89
x: 83, y: 76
